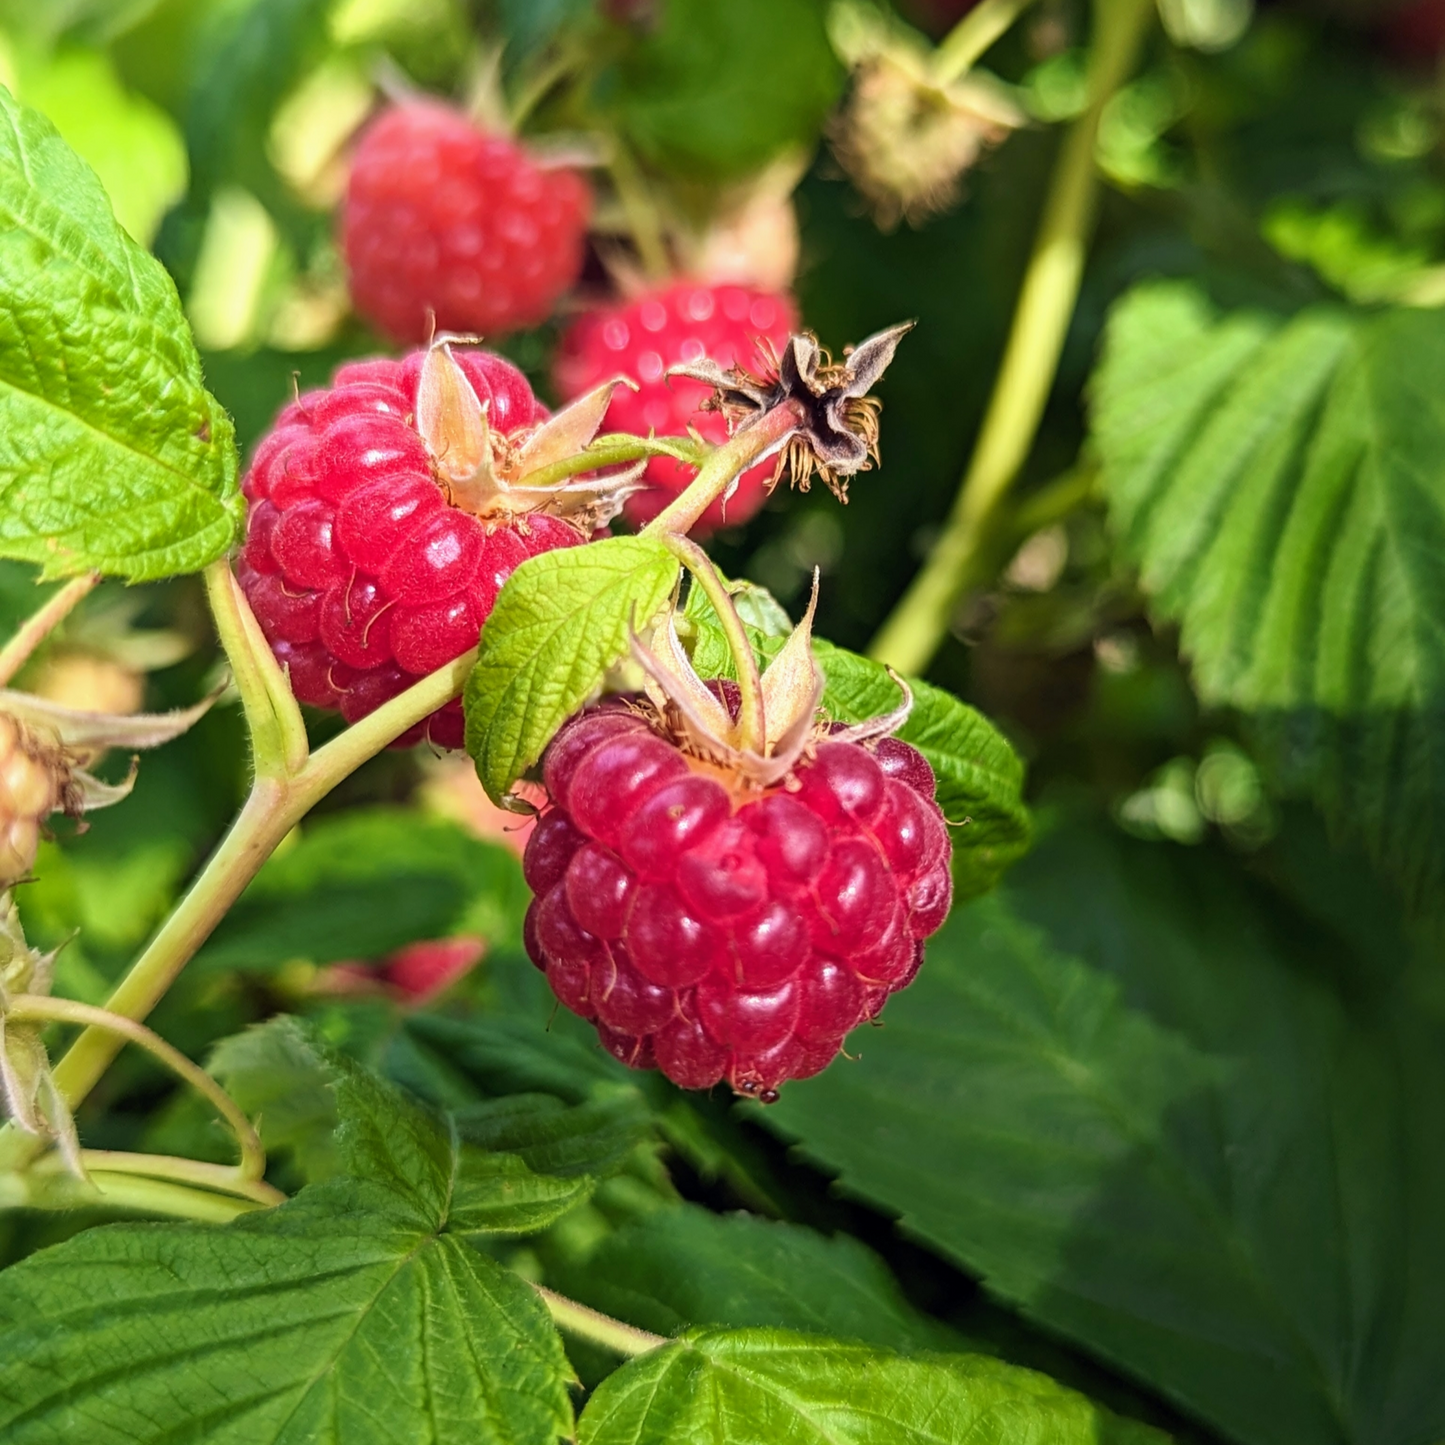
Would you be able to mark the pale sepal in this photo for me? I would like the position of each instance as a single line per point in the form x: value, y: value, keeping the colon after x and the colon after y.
x: 792, y: 685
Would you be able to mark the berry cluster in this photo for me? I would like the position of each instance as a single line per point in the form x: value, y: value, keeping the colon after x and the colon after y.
x: 31, y: 788
x: 363, y: 575
x: 446, y: 227
x: 722, y: 935
x: 678, y: 325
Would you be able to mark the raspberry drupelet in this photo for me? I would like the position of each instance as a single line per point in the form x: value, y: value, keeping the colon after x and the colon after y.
x: 447, y: 226
x: 387, y: 510
x: 679, y: 324
x: 725, y: 907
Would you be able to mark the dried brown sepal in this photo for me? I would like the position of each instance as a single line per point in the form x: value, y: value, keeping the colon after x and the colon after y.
x: 838, y: 436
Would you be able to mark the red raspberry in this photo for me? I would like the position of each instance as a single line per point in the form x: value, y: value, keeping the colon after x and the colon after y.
x: 641, y: 339
x: 725, y: 934
x: 361, y: 573
x: 444, y: 221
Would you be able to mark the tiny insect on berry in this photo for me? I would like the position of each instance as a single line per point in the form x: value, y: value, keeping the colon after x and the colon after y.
x: 679, y: 324
x: 445, y: 225
x: 724, y: 886
x: 387, y: 510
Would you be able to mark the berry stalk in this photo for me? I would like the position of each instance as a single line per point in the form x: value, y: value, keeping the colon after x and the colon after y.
x: 16, y: 653
x: 964, y: 46
x: 596, y: 1328
x: 751, y: 444
x: 912, y: 634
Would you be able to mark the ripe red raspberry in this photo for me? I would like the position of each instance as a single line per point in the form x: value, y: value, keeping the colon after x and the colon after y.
x: 444, y: 221
x: 678, y: 324
x: 380, y: 531
x: 717, y: 933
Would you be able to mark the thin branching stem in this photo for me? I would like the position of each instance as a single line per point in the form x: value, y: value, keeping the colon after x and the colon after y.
x: 37, y: 627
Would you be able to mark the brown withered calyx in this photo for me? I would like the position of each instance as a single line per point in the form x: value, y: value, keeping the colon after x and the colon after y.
x: 838, y: 436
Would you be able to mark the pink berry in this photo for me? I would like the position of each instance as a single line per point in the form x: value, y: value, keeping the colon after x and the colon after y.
x: 362, y: 575
x: 679, y: 323
x: 447, y: 227
x: 724, y: 934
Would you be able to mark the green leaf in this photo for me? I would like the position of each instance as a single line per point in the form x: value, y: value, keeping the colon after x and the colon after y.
x: 339, y: 1319
x: 686, y: 1266
x: 1124, y: 1094
x: 1281, y: 485
x: 560, y: 622
x: 112, y: 453
x: 360, y: 884
x: 714, y: 92
x: 133, y: 145
x: 338, y: 1117
x: 739, y: 1388
x: 552, y: 1137
x: 980, y: 777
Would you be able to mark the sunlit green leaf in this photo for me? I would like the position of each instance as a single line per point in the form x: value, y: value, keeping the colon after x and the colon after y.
x: 112, y: 453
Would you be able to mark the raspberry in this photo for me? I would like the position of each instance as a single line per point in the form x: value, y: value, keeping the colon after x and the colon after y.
x: 446, y: 226
x: 724, y: 934
x: 380, y: 529
x: 678, y: 324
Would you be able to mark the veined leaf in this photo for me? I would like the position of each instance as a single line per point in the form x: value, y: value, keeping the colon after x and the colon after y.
x: 1154, y: 1128
x: 355, y: 1313
x: 559, y: 623
x: 1281, y: 485
x: 341, y: 1318
x: 740, y: 1388
x: 336, y: 1116
x: 686, y: 1266
x: 112, y: 453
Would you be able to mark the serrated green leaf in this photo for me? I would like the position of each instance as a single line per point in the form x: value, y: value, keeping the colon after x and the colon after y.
x: 594, y: 1137
x: 1156, y: 1130
x: 559, y: 623
x: 363, y: 883
x: 333, y: 1320
x: 337, y: 1117
x: 739, y: 1388
x: 1281, y: 485
x: 715, y: 92
x: 112, y: 453
x: 687, y: 1267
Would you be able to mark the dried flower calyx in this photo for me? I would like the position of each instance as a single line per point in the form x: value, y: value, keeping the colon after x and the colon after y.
x: 43, y: 749
x: 495, y: 476
x: 838, y: 434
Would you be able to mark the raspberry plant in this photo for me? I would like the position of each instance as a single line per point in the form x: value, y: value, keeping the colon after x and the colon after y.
x: 476, y: 965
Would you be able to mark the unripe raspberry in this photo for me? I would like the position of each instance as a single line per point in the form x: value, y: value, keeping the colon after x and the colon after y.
x: 678, y: 324
x: 447, y: 227
x: 382, y: 522
x: 727, y: 935
x: 33, y: 781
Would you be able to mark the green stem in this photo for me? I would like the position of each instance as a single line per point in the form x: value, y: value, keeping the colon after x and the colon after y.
x: 36, y: 628
x: 1046, y: 303
x: 273, y: 808
x: 616, y: 450
x: 726, y: 463
x: 598, y: 1329
x: 217, y: 1178
x: 43, y: 1190
x: 964, y: 46
x: 278, y: 733
x: 36, y: 1008
x: 752, y: 725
